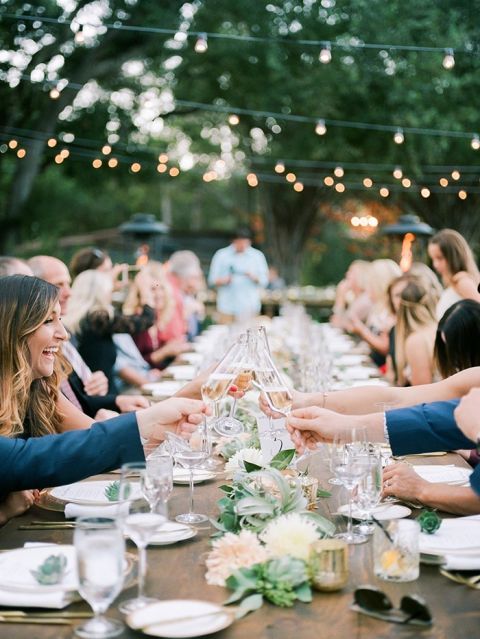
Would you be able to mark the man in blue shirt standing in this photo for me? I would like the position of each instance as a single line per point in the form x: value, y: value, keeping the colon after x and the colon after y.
x: 239, y: 272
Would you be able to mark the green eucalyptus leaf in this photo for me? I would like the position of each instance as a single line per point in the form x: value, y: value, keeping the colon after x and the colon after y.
x: 282, y: 459
x: 304, y: 592
x: 250, y: 467
x: 249, y: 604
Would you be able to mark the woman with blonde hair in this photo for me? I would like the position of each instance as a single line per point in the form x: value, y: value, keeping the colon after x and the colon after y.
x: 375, y: 330
x: 93, y: 320
x: 415, y: 333
x: 453, y: 260
x: 157, y: 344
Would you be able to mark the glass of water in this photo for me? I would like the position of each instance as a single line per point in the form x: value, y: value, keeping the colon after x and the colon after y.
x: 139, y: 522
x: 100, y: 549
x: 157, y: 482
x: 396, y: 555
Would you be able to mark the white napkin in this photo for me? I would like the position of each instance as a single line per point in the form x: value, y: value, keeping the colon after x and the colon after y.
x: 462, y: 562
x: 449, y: 474
x: 186, y: 372
x: 76, y: 510
x: 459, y: 537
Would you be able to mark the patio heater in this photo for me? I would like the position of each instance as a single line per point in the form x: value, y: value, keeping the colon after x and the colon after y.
x: 145, y: 237
x: 409, y: 227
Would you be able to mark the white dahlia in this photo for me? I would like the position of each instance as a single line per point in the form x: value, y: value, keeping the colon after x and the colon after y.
x: 291, y: 535
x: 235, y: 463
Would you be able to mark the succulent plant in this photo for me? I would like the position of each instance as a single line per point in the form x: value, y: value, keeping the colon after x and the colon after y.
x: 429, y: 521
x: 51, y: 571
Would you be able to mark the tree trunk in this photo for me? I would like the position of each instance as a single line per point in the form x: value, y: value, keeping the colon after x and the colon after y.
x: 289, y: 218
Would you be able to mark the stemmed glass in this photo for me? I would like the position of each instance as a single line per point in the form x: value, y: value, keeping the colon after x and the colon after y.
x: 350, y: 462
x: 269, y: 381
x: 139, y: 522
x: 369, y: 492
x: 100, y: 549
x: 191, y: 456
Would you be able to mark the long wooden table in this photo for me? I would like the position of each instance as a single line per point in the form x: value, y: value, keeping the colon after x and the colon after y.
x: 178, y: 572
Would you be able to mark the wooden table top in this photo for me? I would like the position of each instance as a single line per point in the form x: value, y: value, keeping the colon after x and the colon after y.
x: 178, y: 572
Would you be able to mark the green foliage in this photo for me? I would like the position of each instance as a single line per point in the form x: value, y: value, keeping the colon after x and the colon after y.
x: 281, y: 581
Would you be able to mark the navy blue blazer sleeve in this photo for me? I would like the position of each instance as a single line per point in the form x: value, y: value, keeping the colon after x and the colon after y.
x: 53, y: 460
x: 427, y: 428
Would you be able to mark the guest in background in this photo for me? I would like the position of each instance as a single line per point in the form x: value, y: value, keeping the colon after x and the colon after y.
x: 162, y: 341
x: 375, y: 330
x: 186, y: 278
x: 394, y: 293
x: 130, y: 367
x: 13, y: 266
x: 238, y: 272
x: 453, y: 260
x: 93, y: 320
x: 92, y: 258
x: 351, y: 295
x: 275, y: 282
x: 457, y: 342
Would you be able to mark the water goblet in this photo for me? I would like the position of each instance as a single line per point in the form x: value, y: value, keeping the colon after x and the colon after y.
x: 100, y: 549
x: 139, y: 523
x: 368, y: 493
x: 192, y: 457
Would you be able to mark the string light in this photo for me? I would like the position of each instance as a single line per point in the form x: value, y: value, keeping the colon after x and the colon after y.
x: 399, y: 138
x: 162, y: 168
x: 13, y: 144
x: 233, y: 119
x: 329, y: 181
x: 367, y: 182
x: 106, y: 149
x: 113, y: 163
x: 174, y: 171
x: 398, y: 173
x: 97, y: 163
x: 462, y: 195
x: 279, y: 167
x: 406, y: 183
x: 291, y: 177
x: 201, y: 45
x: 325, y: 55
x: 58, y: 159
x: 54, y: 93
x: 80, y: 35
x: 425, y: 192
x: 252, y: 180
x: 339, y: 187
x: 456, y: 175
x: 64, y: 153
x: 298, y: 187
x: 338, y: 171
x: 384, y: 192
x: 135, y: 167
x: 163, y: 158
x: 449, y: 59
x: 475, y: 143
x: 443, y: 182
x: 51, y: 143
x: 21, y: 153
x: 320, y: 127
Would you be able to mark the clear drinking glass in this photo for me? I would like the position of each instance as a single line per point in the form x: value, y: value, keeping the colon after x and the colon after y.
x: 158, y: 482
x: 396, y: 554
x: 100, y: 549
x: 368, y: 493
x: 138, y: 522
x: 268, y: 379
x: 191, y: 457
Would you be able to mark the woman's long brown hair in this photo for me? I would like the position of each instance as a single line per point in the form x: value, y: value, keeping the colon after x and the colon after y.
x: 25, y: 304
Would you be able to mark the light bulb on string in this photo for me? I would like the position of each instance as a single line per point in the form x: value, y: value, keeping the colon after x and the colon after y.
x: 339, y: 187
x: 443, y: 182
x: 328, y: 181
x: 298, y: 187
x: 21, y: 153
x: 398, y: 173
x: 475, y: 143
x: 406, y: 183
x: 449, y: 59
x: 338, y: 171
x: 398, y: 137
x: 113, y: 163
x: 425, y: 192
x: 97, y: 163
x: 325, y: 55
x: 291, y: 177
x: 462, y: 194
x: 456, y: 175
x: 80, y: 35
x: 320, y: 127
x: 233, y: 119
x: 54, y: 93
x: 384, y: 192
x: 52, y: 142
x: 279, y: 167
x: 174, y: 171
x: 106, y: 149
x: 201, y: 45
x: 163, y: 158
x: 13, y: 144
x: 367, y: 182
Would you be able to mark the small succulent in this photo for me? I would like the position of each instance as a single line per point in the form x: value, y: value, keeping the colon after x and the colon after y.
x: 429, y: 521
x: 51, y: 571
x: 112, y: 491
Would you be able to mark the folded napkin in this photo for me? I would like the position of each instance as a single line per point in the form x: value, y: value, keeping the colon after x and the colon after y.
x: 56, y: 599
x: 110, y: 510
x: 462, y: 562
x: 449, y: 474
x: 459, y: 537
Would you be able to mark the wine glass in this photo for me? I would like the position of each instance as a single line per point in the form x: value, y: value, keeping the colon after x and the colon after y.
x: 192, y: 456
x: 350, y: 461
x: 369, y: 492
x: 100, y: 549
x: 158, y: 482
x: 139, y: 523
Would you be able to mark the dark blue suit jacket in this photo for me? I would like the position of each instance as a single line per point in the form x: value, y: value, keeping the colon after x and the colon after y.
x: 427, y: 428
x: 54, y: 460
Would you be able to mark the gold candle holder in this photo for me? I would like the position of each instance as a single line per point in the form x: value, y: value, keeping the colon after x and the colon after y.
x: 328, y: 564
x: 309, y: 489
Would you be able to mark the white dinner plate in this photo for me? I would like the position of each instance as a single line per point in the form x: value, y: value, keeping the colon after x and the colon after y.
x: 84, y: 493
x: 184, y: 372
x: 170, y: 533
x: 182, y: 475
x: 381, y: 512
x: 15, y: 566
x: 163, y: 389
x: 179, y: 618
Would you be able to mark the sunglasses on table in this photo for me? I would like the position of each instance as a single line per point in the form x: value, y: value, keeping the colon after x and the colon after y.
x: 375, y: 603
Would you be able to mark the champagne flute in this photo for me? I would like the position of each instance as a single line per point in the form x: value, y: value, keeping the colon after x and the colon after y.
x: 100, y: 549
x: 192, y: 457
x: 138, y: 522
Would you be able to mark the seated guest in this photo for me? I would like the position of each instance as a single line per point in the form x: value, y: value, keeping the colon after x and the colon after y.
x: 88, y: 391
x: 187, y: 280
x: 453, y: 260
x: 13, y: 265
x: 93, y: 320
x: 160, y: 343
x: 94, y: 259
x: 457, y: 342
x: 415, y: 331
x: 351, y: 295
x: 130, y: 367
x: 15, y: 504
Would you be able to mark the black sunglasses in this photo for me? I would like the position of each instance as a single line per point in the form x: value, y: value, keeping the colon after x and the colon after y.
x: 375, y: 603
